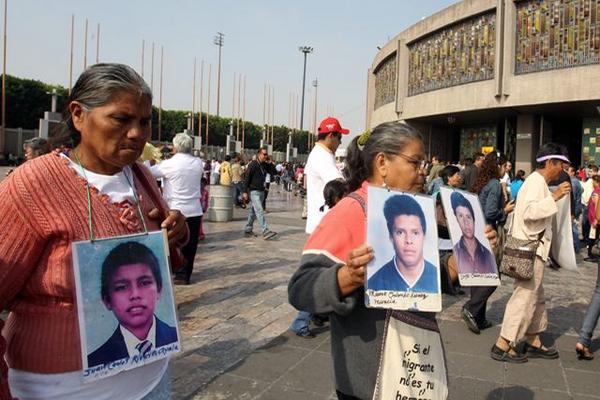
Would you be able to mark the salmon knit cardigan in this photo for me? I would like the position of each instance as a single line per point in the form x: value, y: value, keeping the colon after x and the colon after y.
x: 43, y: 208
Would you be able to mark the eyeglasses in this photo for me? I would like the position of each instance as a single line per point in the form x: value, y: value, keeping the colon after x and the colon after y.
x: 417, y: 163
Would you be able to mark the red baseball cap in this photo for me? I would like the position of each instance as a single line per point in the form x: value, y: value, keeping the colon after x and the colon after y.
x: 330, y: 125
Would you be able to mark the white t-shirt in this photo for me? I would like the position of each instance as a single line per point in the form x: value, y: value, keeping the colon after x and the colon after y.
x: 320, y: 169
x: 132, y: 384
x: 182, y: 174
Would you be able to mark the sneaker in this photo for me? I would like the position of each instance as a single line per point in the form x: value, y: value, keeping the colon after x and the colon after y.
x: 306, y: 334
x: 506, y: 356
x: 249, y: 234
x: 269, y: 234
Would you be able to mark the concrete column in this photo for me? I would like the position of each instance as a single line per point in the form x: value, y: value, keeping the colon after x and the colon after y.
x: 370, y: 97
x: 402, y: 60
x: 527, y: 142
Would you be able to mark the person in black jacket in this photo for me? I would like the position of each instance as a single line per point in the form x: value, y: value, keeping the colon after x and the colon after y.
x: 254, y: 189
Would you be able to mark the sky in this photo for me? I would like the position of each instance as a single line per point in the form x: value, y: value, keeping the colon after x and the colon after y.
x: 262, y: 38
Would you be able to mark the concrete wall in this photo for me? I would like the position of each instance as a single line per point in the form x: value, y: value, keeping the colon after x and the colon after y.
x: 506, y: 90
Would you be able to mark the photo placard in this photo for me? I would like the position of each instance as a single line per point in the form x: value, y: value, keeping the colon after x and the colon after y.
x: 125, y: 303
x: 471, y: 249
x: 405, y: 271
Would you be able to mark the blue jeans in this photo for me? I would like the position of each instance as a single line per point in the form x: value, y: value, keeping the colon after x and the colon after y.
x: 591, y: 316
x: 256, y: 211
x: 237, y: 186
x: 576, y: 242
x: 301, y: 322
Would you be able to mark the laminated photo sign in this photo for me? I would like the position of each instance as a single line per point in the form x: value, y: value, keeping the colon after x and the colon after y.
x: 404, y: 273
x: 471, y: 249
x: 412, y: 363
x: 125, y: 303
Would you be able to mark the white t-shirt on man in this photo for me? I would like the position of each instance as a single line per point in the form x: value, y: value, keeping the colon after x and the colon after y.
x: 320, y: 169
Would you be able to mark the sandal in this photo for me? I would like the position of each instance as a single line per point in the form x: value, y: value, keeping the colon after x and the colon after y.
x: 510, y: 355
x: 583, y: 352
x: 548, y: 353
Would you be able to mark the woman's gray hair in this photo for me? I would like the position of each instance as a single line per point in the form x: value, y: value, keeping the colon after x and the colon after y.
x: 183, y: 143
x: 388, y: 138
x: 98, y: 85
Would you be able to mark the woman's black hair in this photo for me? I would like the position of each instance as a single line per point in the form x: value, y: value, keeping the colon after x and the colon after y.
x: 520, y: 176
x: 447, y: 172
x: 388, y: 138
x: 126, y: 254
x: 333, y: 192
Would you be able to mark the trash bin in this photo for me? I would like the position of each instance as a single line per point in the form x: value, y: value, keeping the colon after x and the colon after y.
x: 220, y: 203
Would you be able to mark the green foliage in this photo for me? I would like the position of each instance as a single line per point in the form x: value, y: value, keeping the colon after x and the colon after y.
x: 27, y: 99
x: 174, y: 121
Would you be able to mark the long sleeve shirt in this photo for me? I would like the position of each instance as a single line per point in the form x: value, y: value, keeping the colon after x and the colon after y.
x: 44, y: 208
x: 533, y: 213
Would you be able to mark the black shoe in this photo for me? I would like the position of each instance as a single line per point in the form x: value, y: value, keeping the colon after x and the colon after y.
x: 249, y: 234
x: 484, y: 325
x: 319, y: 321
x: 470, y: 321
x: 500, y: 355
x: 306, y: 334
x: 548, y: 353
x: 180, y: 281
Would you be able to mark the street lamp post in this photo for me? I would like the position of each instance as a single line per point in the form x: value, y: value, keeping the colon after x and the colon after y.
x: 219, y: 41
x: 305, y: 50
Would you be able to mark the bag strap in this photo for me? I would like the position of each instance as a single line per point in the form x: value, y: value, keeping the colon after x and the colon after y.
x: 360, y: 201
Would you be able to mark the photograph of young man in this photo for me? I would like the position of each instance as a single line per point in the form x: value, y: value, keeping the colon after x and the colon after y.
x: 131, y: 285
x: 407, y: 270
x: 472, y: 256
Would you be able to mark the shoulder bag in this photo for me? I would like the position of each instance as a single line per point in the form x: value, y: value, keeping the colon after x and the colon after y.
x: 519, y: 257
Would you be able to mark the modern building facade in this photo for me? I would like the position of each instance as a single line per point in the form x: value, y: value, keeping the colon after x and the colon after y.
x: 506, y: 74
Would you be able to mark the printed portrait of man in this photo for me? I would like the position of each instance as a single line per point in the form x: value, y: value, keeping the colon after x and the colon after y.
x: 471, y: 255
x: 131, y: 285
x: 407, y: 270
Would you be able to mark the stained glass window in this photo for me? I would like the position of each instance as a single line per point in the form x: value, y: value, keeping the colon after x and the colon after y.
x: 461, y: 53
x: 555, y: 34
x: 385, y: 82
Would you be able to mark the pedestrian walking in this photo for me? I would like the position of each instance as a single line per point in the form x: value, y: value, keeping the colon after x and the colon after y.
x: 254, y: 189
x: 182, y: 175
x: 495, y: 210
x: 332, y: 268
x: 319, y: 170
x: 525, y: 315
x: 98, y: 189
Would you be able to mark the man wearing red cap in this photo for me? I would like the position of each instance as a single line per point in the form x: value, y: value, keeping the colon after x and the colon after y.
x: 320, y: 169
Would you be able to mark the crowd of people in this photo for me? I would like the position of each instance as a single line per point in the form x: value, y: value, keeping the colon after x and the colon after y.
x: 100, y: 183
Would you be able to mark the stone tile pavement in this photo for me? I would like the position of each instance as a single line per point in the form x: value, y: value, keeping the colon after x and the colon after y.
x: 234, y: 320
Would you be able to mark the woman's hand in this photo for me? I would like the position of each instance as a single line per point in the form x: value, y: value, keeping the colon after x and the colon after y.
x: 351, y: 276
x: 492, y: 236
x: 510, y: 206
x: 175, y: 225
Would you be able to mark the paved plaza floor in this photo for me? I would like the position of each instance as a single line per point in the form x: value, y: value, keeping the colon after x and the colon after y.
x: 235, y: 315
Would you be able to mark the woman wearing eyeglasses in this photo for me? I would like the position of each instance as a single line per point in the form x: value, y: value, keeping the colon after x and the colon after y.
x: 331, y: 276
